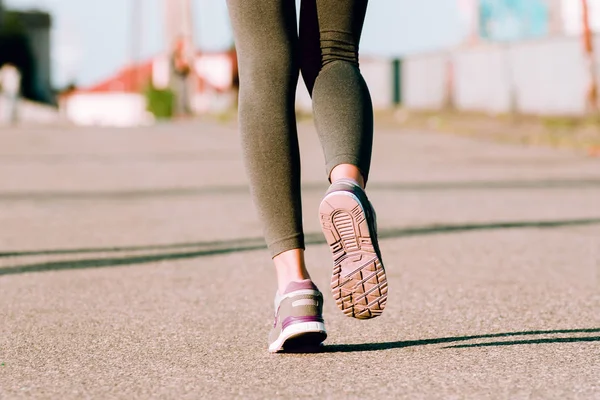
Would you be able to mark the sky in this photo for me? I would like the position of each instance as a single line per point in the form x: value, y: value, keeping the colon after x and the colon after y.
x: 91, y: 39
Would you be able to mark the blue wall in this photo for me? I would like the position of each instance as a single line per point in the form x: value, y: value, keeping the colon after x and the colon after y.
x: 504, y: 20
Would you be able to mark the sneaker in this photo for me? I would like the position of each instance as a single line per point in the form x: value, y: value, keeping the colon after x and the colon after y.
x: 299, y: 324
x: 348, y: 220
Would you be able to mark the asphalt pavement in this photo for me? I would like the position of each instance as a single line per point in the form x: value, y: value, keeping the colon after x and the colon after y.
x: 132, y: 266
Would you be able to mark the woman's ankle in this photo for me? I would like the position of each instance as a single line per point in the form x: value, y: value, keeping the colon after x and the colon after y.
x: 347, y: 171
x: 290, y: 267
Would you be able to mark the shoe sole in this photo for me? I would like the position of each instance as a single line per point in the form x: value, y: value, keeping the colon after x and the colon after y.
x: 358, y: 283
x: 300, y: 337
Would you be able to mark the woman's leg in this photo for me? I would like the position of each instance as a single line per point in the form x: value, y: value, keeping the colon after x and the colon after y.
x: 266, y: 43
x: 344, y: 119
x: 330, y: 33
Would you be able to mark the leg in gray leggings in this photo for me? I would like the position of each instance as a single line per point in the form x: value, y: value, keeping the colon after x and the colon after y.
x: 270, y: 56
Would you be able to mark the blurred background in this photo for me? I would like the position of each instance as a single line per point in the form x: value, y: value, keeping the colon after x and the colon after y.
x: 135, y: 62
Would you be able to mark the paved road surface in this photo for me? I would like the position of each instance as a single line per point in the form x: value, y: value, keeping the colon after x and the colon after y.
x: 132, y: 266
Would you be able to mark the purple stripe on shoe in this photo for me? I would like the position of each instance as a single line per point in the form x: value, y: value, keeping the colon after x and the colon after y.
x: 296, y: 320
x: 302, y: 285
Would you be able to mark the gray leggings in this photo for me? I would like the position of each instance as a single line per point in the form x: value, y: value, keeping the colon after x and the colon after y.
x: 270, y: 57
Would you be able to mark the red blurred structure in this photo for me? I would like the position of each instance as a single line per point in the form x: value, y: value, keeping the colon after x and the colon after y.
x: 120, y: 99
x: 588, y: 42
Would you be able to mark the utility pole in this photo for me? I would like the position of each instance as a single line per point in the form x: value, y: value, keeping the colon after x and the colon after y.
x: 136, y: 39
x: 588, y: 43
x: 180, y: 33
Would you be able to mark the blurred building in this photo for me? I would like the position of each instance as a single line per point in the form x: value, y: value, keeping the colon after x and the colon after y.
x: 120, y: 100
x: 545, y: 70
x: 123, y: 99
x: 25, y: 42
x: 514, y: 20
x: 37, y: 25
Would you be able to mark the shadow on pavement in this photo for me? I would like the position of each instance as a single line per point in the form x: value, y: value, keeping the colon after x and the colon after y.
x: 535, y: 341
x: 248, y: 244
x: 203, y: 249
x: 234, y: 244
x: 136, y: 194
x: 350, y: 348
x: 115, y: 158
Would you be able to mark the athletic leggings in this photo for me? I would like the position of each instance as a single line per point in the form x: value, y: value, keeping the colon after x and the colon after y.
x: 271, y: 54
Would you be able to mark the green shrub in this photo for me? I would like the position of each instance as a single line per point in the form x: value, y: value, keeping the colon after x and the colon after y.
x: 159, y: 102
